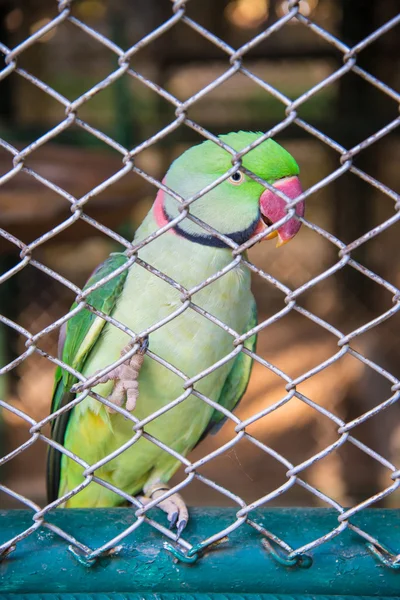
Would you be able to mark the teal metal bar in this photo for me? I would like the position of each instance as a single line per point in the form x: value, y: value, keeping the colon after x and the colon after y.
x: 42, y: 568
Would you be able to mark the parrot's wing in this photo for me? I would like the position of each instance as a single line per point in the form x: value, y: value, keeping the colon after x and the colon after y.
x: 82, y: 331
x: 236, y: 383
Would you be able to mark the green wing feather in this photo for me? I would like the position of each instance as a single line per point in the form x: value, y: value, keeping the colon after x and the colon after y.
x: 237, y: 380
x: 82, y: 332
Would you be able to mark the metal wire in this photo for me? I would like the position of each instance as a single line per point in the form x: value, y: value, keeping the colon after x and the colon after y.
x: 235, y: 63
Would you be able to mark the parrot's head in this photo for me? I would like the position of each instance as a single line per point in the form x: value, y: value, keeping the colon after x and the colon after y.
x: 239, y: 207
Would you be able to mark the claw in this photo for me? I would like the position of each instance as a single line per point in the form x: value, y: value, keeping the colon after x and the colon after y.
x: 174, y: 506
x: 180, y: 527
x: 173, y: 519
x: 144, y: 345
x: 126, y: 386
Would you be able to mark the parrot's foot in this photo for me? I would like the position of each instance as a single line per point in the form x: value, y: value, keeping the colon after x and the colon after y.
x: 174, y: 506
x: 126, y: 388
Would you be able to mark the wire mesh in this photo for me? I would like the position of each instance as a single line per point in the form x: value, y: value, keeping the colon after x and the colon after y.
x: 182, y: 548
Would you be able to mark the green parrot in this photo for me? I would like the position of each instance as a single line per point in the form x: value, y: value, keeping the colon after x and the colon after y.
x: 240, y: 208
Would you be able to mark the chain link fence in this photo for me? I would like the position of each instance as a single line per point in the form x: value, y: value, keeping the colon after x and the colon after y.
x: 182, y: 547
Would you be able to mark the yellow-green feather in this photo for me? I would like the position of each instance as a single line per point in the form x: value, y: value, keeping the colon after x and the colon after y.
x: 82, y: 331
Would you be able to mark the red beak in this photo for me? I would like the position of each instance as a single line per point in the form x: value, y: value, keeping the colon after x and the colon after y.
x: 272, y: 209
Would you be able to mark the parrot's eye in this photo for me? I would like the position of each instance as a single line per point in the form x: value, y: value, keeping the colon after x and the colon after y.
x: 236, y: 178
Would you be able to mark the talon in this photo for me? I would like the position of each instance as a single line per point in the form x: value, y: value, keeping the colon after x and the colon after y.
x: 181, y: 526
x: 173, y: 519
x: 126, y: 387
x: 174, y: 506
x: 144, y: 345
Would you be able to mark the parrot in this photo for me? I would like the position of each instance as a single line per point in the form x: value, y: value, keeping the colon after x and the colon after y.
x: 239, y: 208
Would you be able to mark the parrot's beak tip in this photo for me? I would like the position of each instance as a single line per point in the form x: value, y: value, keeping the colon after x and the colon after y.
x: 273, y: 208
x: 281, y: 242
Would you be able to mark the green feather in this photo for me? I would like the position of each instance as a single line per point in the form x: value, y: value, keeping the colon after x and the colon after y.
x: 82, y: 331
x: 236, y: 383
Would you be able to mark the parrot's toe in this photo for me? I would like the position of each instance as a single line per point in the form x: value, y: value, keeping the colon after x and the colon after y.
x: 117, y: 397
x: 126, y: 386
x: 177, y: 512
x: 173, y: 519
x: 174, y: 506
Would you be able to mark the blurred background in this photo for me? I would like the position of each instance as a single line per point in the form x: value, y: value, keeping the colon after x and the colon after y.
x: 293, y: 60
